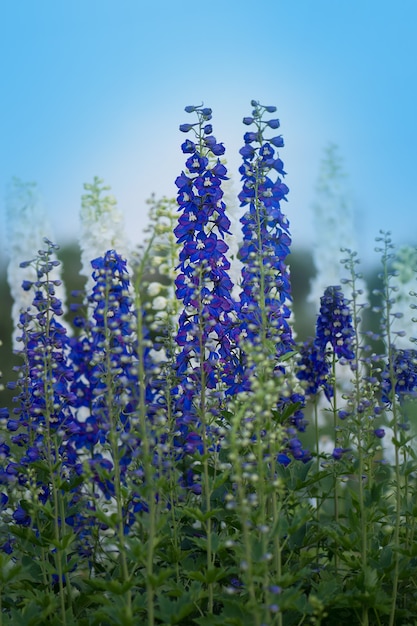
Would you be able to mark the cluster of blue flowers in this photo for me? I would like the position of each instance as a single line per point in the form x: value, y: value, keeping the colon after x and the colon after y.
x: 203, y: 283
x: 334, y: 338
x: 266, y: 290
x: 81, y: 398
x: 403, y: 377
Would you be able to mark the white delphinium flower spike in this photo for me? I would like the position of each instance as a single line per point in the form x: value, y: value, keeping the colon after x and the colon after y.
x: 404, y: 284
x: 333, y: 226
x: 102, y: 227
x: 333, y: 241
x: 26, y: 227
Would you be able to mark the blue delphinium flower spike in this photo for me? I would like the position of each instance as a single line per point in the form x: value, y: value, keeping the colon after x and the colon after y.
x: 203, y: 284
x: 266, y: 290
x: 43, y: 419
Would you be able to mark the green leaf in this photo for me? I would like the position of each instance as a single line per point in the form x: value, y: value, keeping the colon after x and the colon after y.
x: 213, y: 620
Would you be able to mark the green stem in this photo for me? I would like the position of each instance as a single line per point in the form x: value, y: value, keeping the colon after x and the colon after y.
x: 53, y: 461
x: 147, y: 466
x: 204, y: 425
x: 336, y: 441
x: 112, y: 410
x: 242, y: 512
x: 398, y: 504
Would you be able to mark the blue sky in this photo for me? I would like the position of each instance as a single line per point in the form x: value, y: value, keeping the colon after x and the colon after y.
x: 98, y: 87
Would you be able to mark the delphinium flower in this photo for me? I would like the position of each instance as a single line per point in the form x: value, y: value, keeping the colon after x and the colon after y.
x: 156, y: 265
x: 43, y: 420
x: 203, y: 284
x: 398, y: 381
x: 45, y: 399
x: 116, y: 438
x: 105, y: 359
x: 398, y: 323
x: 334, y: 328
x: 313, y: 369
x: 155, y: 269
x: 26, y: 226
x: 265, y: 397
x: 121, y: 432
x: 334, y: 342
x: 102, y: 227
x: 204, y: 358
x: 402, y: 327
x: 333, y: 236
x: 266, y: 292
x: 404, y: 373
x: 265, y: 332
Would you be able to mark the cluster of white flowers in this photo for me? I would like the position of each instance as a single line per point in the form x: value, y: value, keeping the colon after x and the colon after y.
x: 333, y: 227
x: 102, y: 227
x: 26, y: 227
x: 334, y: 236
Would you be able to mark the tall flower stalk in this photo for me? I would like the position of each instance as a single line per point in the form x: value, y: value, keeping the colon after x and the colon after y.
x: 261, y: 392
x: 44, y: 420
x: 266, y: 291
x: 399, y: 379
x: 204, y: 287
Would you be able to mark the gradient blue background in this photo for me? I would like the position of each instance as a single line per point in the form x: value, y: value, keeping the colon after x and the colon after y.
x: 98, y: 87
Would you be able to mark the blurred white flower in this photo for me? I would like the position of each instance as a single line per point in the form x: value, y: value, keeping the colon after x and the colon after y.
x: 102, y: 227
x: 334, y: 233
x: 154, y: 289
x: 159, y: 303
x: 26, y: 227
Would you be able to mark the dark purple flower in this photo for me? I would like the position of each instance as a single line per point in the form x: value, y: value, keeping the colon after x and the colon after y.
x: 21, y: 516
x: 379, y: 432
x: 338, y: 453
